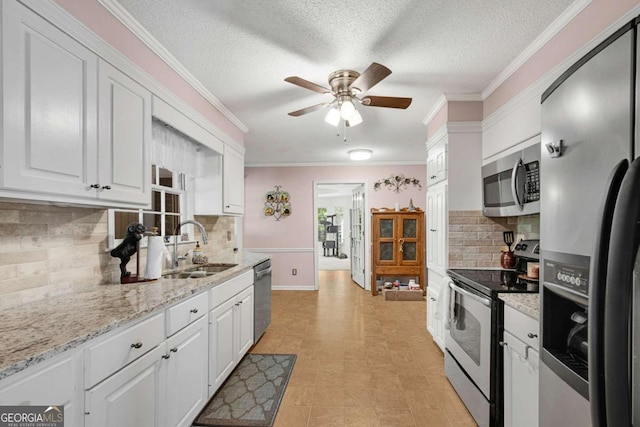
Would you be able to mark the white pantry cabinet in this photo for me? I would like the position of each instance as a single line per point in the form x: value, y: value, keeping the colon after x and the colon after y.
x: 521, y: 362
x: 437, y: 162
x: 230, y: 327
x: 75, y: 129
x: 437, y: 221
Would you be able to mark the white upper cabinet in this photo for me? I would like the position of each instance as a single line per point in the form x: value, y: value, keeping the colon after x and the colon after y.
x: 437, y: 162
x: 49, y: 107
x: 233, y: 181
x: 124, y: 138
x: 75, y: 129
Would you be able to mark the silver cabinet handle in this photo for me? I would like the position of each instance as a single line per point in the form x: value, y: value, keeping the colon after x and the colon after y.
x: 106, y: 187
x: 483, y: 301
x: 95, y: 186
x: 503, y: 344
x: 136, y: 345
x: 531, y: 335
x: 174, y: 350
x: 432, y: 177
x: 432, y: 298
x: 166, y: 356
x: 193, y: 310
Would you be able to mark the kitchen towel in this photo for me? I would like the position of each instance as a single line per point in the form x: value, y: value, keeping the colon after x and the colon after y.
x: 442, y: 306
x: 156, y: 250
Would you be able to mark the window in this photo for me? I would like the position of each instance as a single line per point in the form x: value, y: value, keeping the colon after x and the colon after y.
x: 168, y: 196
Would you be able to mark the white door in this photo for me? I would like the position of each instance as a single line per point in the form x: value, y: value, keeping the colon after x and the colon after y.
x: 357, y: 236
x: 130, y: 397
x: 244, y: 323
x: 125, y: 138
x: 50, y: 107
x: 187, y: 369
x: 221, y: 348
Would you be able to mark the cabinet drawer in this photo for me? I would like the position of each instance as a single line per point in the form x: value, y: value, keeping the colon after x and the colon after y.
x: 107, y: 356
x: 522, y: 326
x: 181, y: 314
x: 230, y: 288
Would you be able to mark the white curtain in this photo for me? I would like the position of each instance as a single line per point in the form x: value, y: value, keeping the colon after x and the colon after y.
x: 173, y: 150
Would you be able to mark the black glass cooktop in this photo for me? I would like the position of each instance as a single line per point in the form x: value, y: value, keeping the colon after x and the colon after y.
x: 492, y: 282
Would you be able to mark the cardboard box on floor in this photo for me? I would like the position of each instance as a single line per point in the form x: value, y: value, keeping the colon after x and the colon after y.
x: 396, y: 295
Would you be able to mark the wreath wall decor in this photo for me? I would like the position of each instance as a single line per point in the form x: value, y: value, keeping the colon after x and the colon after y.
x: 396, y: 183
x: 277, y: 203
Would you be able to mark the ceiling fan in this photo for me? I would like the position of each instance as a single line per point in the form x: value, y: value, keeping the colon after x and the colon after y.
x: 346, y: 86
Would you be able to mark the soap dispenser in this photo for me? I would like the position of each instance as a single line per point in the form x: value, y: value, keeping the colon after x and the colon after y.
x: 197, y: 255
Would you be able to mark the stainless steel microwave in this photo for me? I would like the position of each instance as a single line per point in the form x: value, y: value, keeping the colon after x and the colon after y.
x: 511, y: 184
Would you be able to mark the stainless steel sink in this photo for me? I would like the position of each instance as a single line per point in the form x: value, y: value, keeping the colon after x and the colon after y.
x: 212, y: 268
x: 188, y: 275
x: 203, y: 270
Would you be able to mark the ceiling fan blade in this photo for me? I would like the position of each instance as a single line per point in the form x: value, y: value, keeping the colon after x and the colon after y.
x: 307, y: 84
x: 370, y: 77
x: 308, y: 109
x: 386, y: 101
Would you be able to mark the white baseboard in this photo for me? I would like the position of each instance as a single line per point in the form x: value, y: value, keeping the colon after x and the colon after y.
x: 292, y: 288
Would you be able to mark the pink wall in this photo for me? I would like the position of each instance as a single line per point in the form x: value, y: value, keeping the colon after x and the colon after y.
x: 106, y: 26
x: 464, y: 111
x: 594, y: 19
x: 296, y: 231
x: 437, y: 121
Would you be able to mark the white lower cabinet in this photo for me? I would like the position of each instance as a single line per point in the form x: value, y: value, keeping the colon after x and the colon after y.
x: 435, y: 326
x: 55, y: 382
x: 130, y: 397
x: 187, y: 385
x: 521, y: 361
x: 230, y: 331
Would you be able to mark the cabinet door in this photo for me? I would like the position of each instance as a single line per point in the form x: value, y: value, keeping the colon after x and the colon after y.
x: 385, y: 239
x: 125, y: 138
x: 221, y: 344
x: 410, y: 240
x: 520, y: 383
x: 431, y: 229
x: 130, y: 397
x: 55, y: 383
x: 187, y: 368
x: 432, y: 302
x: 233, y: 181
x: 244, y: 324
x: 50, y: 107
x: 441, y: 244
x: 437, y: 163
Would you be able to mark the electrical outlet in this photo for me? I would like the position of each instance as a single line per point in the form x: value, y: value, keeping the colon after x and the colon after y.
x: 294, y: 271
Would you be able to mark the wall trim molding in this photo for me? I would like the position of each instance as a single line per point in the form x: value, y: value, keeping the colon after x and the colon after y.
x: 537, y: 88
x: 285, y: 165
x: 551, y: 31
x: 279, y: 250
x: 292, y: 288
x: 446, y: 97
x: 452, y: 128
x: 62, y: 19
x: 122, y: 15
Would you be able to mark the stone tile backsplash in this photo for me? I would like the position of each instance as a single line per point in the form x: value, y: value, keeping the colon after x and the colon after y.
x: 47, y: 250
x: 476, y: 241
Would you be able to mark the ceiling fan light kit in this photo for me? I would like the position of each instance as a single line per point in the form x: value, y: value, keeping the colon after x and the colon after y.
x: 360, y: 154
x: 346, y: 86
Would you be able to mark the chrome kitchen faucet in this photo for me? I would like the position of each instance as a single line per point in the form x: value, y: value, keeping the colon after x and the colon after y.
x: 205, y: 238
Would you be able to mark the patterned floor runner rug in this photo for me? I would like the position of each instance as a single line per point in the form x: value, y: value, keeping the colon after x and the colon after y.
x: 252, y: 394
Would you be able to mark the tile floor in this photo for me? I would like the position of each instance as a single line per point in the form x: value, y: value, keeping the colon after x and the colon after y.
x: 362, y: 361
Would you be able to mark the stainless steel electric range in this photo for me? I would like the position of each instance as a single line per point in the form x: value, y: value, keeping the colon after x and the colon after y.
x: 473, y: 356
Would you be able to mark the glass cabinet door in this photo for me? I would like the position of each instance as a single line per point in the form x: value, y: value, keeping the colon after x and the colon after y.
x: 385, y: 228
x: 410, y: 231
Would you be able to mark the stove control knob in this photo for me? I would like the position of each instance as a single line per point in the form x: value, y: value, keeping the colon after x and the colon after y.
x: 518, y: 246
x: 524, y: 246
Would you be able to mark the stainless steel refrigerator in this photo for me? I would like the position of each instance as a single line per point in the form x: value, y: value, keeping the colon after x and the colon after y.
x: 589, y: 233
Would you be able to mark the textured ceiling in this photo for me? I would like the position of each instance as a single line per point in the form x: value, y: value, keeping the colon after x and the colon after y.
x: 242, y: 51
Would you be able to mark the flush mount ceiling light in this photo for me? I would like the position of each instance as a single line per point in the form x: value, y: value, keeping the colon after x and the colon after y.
x: 346, y: 86
x: 360, y: 154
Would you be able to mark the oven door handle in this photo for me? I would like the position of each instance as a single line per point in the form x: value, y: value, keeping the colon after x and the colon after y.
x: 483, y: 301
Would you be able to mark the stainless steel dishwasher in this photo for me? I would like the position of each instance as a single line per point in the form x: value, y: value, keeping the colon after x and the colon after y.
x: 262, y: 302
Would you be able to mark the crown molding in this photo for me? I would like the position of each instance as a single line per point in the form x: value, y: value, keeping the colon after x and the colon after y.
x: 453, y: 128
x: 122, y: 15
x: 551, y: 31
x: 446, y: 97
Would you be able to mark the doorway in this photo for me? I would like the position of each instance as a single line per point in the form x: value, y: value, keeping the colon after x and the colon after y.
x: 341, y: 229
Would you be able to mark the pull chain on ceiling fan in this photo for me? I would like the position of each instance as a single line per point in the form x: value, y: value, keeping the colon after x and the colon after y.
x: 346, y: 85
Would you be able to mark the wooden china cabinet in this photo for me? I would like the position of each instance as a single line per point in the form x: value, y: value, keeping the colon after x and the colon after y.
x: 398, y: 246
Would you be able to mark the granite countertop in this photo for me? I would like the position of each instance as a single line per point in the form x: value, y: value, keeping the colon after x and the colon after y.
x: 36, y: 331
x: 528, y: 304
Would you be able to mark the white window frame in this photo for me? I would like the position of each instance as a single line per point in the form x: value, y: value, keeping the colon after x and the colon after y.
x: 186, y: 211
